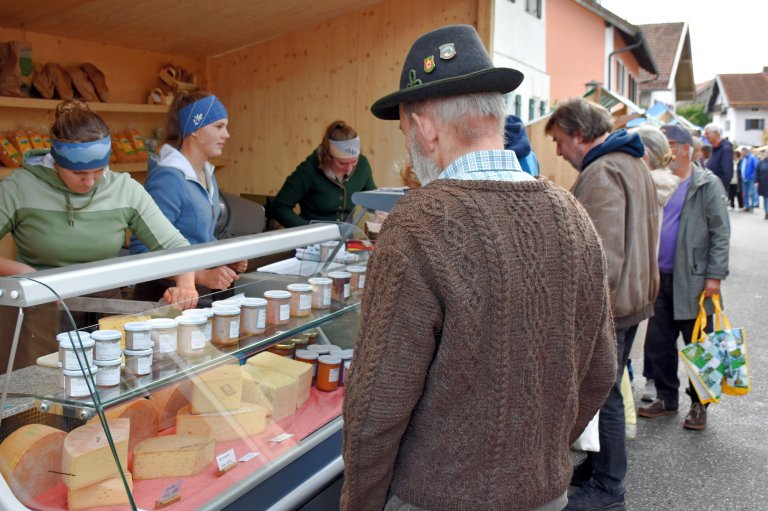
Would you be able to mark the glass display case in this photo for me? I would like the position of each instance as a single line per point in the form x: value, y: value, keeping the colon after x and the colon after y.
x: 143, y: 405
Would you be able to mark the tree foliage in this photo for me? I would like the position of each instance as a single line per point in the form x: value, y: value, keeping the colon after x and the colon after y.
x: 695, y: 112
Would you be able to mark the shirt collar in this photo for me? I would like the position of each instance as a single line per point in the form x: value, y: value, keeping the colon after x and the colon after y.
x: 497, y: 165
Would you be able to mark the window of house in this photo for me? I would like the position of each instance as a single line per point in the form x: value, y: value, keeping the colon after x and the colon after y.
x: 518, y: 104
x: 531, y: 109
x: 754, y: 124
x: 533, y: 7
x: 632, y: 89
x: 542, y: 108
x: 620, y: 77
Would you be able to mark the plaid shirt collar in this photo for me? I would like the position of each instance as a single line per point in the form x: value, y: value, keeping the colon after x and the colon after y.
x: 493, y: 165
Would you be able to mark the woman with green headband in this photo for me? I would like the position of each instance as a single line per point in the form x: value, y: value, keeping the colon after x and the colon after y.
x: 66, y: 207
x: 323, y: 184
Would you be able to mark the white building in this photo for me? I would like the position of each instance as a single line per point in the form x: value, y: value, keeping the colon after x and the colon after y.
x: 739, y: 105
x: 670, y: 44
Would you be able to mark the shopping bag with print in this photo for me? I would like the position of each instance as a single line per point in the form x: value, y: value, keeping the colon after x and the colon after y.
x: 703, y: 360
x: 733, y: 348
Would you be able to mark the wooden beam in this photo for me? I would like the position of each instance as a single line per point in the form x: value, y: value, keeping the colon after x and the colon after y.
x: 485, y: 22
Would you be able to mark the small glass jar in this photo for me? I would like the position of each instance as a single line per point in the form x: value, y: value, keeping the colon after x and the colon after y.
x: 107, y: 344
x: 109, y: 372
x: 308, y: 357
x: 253, y: 315
x: 67, y: 355
x: 284, y: 349
x: 346, y: 361
x: 300, y: 343
x: 357, y: 281
x: 333, y: 347
x: 74, y: 382
x: 321, y: 292
x: 320, y: 349
x: 208, y: 315
x: 301, y: 300
x: 138, y: 362
x: 164, y: 336
x: 340, y: 287
x: 229, y: 302
x: 191, y: 335
x: 137, y: 336
x: 278, y: 307
x: 328, y: 369
x: 311, y: 336
x: 226, y: 326
x: 327, y: 248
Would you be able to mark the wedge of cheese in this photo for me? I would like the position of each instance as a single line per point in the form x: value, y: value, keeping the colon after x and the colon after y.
x: 280, y: 390
x: 252, y: 391
x: 117, y: 322
x: 30, y: 460
x: 299, y: 371
x: 216, y: 390
x: 168, y: 401
x: 143, y: 416
x: 223, y: 426
x: 172, y: 456
x: 86, y: 456
x: 106, y: 493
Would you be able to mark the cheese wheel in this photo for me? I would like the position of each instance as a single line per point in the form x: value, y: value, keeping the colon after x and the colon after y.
x: 172, y: 456
x: 168, y: 401
x: 105, y: 493
x: 279, y: 389
x: 87, y: 458
x: 216, y: 390
x: 223, y: 426
x: 143, y: 416
x: 30, y: 459
x: 300, y: 371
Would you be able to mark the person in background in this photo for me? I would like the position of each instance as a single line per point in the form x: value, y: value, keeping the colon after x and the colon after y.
x: 762, y: 181
x: 433, y: 420
x: 516, y: 139
x: 748, y: 171
x: 735, y: 186
x: 66, y: 207
x: 323, y: 184
x: 182, y: 183
x: 617, y: 190
x: 706, y: 152
x: 693, y: 257
x: 721, y: 161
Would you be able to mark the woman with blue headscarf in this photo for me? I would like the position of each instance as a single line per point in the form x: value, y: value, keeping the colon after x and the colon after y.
x: 182, y: 183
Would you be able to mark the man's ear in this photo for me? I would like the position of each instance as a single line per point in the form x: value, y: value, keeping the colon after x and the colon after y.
x: 426, y: 130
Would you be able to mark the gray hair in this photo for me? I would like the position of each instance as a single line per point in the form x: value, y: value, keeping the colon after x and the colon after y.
x: 582, y: 118
x: 713, y: 127
x: 656, y: 146
x: 455, y: 111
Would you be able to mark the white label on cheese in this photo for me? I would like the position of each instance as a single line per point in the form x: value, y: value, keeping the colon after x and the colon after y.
x: 226, y: 459
x: 248, y: 457
x: 167, y: 342
x: 361, y: 282
x: 346, y: 290
x: 305, y: 302
x: 171, y: 492
x: 327, y: 296
x: 234, y: 328
x: 208, y: 330
x: 197, y: 340
x: 285, y: 312
x: 333, y: 374
x: 261, y: 318
x: 281, y: 438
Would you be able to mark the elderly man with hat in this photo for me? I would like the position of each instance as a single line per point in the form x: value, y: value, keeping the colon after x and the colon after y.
x: 476, y: 365
x: 693, y: 257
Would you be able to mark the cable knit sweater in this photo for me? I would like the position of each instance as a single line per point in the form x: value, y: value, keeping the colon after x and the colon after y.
x: 485, y: 346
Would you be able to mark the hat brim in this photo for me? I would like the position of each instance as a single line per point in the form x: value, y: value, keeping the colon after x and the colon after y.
x: 496, y: 79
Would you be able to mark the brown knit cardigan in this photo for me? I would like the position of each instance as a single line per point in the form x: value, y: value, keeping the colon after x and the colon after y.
x: 485, y: 346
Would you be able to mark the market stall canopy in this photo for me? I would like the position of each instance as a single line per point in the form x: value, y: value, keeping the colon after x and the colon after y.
x: 622, y: 109
x: 193, y: 27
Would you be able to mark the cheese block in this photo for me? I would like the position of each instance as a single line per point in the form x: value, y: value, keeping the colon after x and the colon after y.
x: 143, y: 416
x: 223, y: 426
x: 300, y: 371
x: 252, y: 391
x: 87, y: 458
x: 172, y: 456
x: 30, y: 459
x: 168, y: 401
x: 105, y: 493
x: 216, y: 390
x: 279, y: 389
x: 117, y: 322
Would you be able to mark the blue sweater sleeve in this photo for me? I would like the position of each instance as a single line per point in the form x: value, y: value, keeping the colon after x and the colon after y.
x: 166, y: 186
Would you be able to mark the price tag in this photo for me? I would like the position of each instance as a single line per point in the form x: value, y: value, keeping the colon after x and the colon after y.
x: 248, y: 457
x: 170, y: 494
x: 226, y: 460
x: 281, y: 438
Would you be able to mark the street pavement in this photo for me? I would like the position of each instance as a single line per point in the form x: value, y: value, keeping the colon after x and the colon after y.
x: 724, y: 467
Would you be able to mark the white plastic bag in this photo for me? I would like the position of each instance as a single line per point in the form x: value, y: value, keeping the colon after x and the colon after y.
x: 590, y: 438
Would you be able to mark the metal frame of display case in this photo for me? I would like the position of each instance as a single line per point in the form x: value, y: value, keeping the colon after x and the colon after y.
x: 318, y: 457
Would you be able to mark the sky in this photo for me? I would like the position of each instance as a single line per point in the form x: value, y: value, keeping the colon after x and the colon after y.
x: 726, y: 37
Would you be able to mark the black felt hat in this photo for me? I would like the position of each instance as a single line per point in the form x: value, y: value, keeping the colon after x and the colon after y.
x: 445, y: 62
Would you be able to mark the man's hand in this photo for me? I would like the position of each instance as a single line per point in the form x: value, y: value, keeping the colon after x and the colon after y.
x: 711, y: 287
x: 220, y: 277
x: 239, y: 266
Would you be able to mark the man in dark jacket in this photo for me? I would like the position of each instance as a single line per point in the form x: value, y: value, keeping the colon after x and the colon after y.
x: 516, y: 139
x: 762, y: 181
x: 721, y: 161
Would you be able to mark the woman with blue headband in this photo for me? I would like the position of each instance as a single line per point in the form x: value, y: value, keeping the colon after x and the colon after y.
x: 182, y: 183
x: 323, y: 184
x: 66, y: 207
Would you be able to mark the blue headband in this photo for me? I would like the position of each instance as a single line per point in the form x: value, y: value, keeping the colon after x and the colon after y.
x: 81, y: 156
x: 201, y: 113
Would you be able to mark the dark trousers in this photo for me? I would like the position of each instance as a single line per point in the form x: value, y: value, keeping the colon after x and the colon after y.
x: 734, y: 192
x: 609, y: 466
x: 661, y: 343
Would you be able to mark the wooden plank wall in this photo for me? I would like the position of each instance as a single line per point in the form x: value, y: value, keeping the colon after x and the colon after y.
x: 282, y: 93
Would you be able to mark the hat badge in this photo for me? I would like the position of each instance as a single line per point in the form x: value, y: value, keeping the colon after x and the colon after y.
x: 447, y: 51
x: 429, y: 64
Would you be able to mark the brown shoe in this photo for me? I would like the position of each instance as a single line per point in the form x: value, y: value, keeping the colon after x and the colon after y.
x: 656, y: 409
x: 697, y: 417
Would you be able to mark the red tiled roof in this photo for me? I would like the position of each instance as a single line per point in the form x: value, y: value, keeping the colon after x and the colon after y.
x: 664, y: 40
x: 745, y: 89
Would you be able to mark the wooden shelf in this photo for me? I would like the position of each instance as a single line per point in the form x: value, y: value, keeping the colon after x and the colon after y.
x: 50, y: 104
